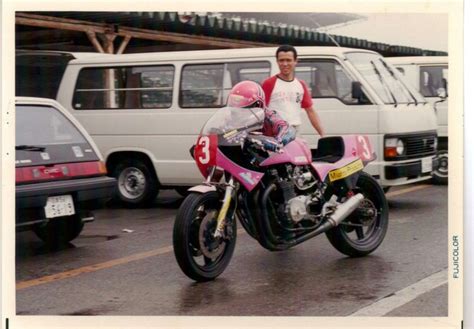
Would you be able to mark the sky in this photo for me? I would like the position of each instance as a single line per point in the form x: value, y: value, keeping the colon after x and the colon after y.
x: 426, y: 31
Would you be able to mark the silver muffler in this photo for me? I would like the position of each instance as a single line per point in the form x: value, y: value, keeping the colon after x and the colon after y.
x: 345, y: 209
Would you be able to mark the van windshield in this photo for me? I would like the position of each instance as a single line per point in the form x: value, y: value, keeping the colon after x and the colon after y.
x: 384, y: 79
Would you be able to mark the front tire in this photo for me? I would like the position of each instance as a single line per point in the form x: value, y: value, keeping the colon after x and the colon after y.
x: 364, y: 230
x: 137, y: 183
x: 199, y: 255
x: 440, y: 175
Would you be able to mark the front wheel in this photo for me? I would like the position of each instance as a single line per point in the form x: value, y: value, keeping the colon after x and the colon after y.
x: 199, y: 255
x: 364, y: 230
x: 440, y: 174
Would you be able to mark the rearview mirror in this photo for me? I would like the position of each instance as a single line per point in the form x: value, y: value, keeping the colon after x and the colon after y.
x: 357, y: 92
x: 442, y: 93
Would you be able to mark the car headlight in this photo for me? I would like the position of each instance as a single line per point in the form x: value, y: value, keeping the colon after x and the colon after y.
x: 394, y: 147
x: 400, y: 147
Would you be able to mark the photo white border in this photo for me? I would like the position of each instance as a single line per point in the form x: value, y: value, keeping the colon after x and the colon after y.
x: 455, y: 190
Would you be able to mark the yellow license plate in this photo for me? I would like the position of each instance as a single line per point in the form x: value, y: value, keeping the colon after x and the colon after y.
x: 346, y: 171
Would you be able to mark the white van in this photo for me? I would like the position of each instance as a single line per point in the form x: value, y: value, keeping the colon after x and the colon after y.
x: 145, y: 110
x: 429, y: 75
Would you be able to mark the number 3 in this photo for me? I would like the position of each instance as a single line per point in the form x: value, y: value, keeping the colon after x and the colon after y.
x: 205, y: 143
x: 365, y: 146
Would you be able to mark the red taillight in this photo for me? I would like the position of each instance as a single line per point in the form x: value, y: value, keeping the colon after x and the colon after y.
x: 60, y: 171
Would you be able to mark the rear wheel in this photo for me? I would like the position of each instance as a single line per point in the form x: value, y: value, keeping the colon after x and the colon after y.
x: 137, y: 183
x: 199, y: 255
x: 59, y: 231
x: 364, y: 230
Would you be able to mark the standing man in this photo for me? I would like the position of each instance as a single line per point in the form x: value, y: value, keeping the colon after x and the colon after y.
x: 285, y: 94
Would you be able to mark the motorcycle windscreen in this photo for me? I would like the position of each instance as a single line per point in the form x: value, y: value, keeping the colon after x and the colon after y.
x: 229, y: 120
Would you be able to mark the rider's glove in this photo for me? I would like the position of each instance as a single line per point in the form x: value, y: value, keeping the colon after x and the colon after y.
x: 271, y: 145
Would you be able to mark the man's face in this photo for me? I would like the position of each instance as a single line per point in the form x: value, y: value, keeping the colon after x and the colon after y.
x: 286, y: 62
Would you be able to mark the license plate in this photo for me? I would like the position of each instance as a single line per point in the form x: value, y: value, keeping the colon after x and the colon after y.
x: 57, y: 206
x: 426, y: 165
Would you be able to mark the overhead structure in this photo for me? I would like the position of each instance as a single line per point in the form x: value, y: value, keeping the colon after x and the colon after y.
x: 122, y: 32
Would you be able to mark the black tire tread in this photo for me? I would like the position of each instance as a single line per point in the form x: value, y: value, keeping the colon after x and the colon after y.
x: 180, y: 234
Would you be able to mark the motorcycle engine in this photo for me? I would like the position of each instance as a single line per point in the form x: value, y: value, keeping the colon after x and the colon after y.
x: 299, y: 202
x: 297, y: 208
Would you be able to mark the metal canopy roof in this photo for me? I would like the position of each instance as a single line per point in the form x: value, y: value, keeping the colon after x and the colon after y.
x: 233, y: 28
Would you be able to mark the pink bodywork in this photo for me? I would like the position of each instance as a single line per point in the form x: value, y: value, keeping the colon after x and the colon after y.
x: 296, y: 152
x: 246, y: 177
x: 355, y: 147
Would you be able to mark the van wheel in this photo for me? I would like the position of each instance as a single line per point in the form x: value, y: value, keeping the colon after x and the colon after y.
x: 440, y: 174
x: 59, y: 231
x: 137, y: 184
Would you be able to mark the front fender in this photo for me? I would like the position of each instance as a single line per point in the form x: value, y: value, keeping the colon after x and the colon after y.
x: 202, y: 189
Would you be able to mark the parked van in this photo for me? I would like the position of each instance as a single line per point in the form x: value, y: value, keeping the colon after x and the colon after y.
x: 429, y: 75
x: 145, y: 110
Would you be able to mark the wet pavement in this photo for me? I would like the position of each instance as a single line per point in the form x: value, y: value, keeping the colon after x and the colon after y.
x: 109, y: 271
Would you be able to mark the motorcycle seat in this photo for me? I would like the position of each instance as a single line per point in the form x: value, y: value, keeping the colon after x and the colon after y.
x: 330, y: 149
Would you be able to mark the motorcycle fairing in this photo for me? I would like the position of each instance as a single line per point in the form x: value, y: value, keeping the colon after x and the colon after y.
x: 357, y: 149
x: 248, y: 178
x: 296, y: 152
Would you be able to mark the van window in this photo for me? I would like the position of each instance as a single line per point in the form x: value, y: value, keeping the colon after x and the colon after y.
x: 208, y: 85
x: 137, y: 87
x: 431, y: 79
x: 38, y: 74
x: 326, y: 79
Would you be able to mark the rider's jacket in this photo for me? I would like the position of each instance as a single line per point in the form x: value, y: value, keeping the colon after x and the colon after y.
x: 275, y: 126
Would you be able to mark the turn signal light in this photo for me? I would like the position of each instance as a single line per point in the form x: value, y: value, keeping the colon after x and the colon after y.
x: 390, y: 152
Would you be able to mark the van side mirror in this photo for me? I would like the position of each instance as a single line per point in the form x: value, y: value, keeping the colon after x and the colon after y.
x: 357, y: 92
x: 441, y: 93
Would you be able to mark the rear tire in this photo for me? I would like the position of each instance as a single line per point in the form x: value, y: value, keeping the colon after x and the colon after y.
x: 200, y: 256
x: 137, y: 183
x: 371, y: 215
x: 59, y: 231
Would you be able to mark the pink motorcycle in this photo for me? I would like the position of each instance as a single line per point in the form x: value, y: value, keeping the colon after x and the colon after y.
x: 281, y: 197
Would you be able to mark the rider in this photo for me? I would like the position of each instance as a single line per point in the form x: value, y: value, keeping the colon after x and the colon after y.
x: 249, y: 94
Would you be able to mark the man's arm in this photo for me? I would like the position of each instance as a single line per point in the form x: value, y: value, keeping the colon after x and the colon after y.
x: 315, y: 121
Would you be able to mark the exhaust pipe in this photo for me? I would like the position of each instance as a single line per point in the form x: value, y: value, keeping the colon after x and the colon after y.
x: 345, y: 209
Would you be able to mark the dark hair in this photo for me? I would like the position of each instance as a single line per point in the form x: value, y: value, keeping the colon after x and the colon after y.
x: 287, y: 48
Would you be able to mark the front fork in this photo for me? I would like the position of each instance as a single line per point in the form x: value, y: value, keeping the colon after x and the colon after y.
x: 229, y: 191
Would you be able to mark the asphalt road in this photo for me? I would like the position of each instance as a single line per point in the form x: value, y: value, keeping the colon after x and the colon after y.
x: 123, y: 264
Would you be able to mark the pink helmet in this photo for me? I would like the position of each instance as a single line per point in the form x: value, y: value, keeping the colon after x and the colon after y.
x: 246, y: 94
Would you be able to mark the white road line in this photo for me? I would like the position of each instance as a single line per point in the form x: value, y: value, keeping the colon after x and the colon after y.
x: 404, y: 296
